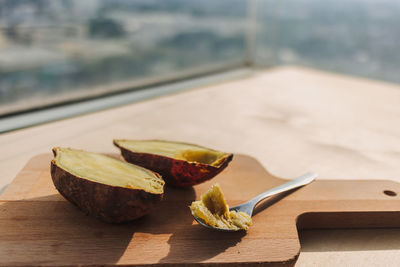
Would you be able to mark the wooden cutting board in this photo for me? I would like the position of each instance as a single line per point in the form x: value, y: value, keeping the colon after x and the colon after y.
x: 38, y: 227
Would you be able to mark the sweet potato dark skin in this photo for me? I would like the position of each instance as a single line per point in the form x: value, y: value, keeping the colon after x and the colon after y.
x: 178, y: 173
x: 111, y: 204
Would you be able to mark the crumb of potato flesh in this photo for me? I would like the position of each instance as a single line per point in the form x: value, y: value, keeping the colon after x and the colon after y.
x: 213, y: 210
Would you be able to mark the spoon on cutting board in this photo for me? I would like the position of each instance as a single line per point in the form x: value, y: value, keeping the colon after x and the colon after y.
x: 248, y: 207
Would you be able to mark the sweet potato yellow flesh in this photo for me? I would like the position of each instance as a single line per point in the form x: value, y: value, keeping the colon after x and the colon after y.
x: 214, y: 211
x: 106, y: 170
x: 181, y: 151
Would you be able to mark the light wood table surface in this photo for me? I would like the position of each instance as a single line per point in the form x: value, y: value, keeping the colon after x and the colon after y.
x: 291, y: 119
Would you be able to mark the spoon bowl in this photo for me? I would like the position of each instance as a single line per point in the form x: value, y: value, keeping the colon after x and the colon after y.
x: 248, y: 207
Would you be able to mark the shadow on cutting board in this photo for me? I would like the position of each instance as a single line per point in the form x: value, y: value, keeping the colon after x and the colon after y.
x: 199, y: 244
x: 41, y: 231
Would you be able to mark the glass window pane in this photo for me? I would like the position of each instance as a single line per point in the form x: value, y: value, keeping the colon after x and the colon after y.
x: 359, y: 37
x: 54, y: 51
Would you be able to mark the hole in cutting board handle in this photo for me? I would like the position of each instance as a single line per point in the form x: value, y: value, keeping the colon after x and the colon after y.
x: 390, y: 193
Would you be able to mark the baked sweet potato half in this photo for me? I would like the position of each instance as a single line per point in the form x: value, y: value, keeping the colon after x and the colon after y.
x: 180, y: 164
x: 109, y: 189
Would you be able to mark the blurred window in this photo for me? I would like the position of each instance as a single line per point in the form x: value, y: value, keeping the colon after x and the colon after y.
x: 54, y: 51
x: 358, y: 37
x: 57, y: 51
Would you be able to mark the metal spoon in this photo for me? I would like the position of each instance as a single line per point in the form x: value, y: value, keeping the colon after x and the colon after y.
x: 248, y: 206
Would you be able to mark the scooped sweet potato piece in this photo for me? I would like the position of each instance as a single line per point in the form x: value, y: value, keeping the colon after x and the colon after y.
x: 107, y: 188
x: 213, y: 210
x: 180, y: 164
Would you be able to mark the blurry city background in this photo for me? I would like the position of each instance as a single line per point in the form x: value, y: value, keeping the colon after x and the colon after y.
x: 53, y: 51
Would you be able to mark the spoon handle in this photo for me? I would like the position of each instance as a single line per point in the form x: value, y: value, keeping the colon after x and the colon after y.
x: 292, y: 184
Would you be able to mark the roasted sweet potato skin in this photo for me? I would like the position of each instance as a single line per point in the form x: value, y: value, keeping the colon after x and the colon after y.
x: 178, y: 173
x: 110, y: 204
